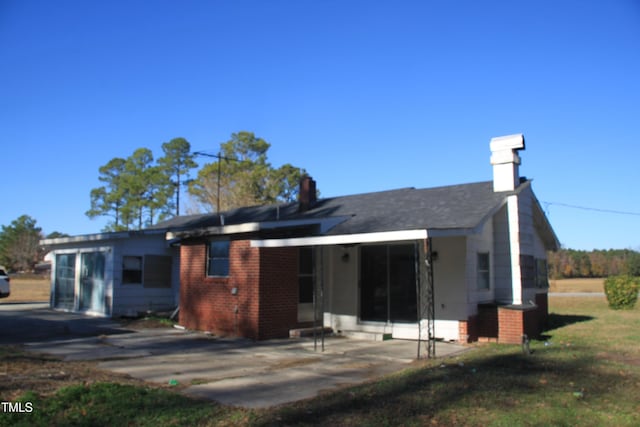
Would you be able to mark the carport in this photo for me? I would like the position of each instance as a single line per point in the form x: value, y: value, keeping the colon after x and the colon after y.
x: 412, y: 285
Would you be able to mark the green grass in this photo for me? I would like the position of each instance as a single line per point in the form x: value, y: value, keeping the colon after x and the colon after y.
x: 106, y: 404
x: 586, y: 372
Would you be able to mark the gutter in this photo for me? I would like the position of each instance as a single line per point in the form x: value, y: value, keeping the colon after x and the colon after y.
x: 342, y: 239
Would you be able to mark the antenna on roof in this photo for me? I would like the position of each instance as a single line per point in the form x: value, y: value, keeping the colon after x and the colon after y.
x: 220, y: 157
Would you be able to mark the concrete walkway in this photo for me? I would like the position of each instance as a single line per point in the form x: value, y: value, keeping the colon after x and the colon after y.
x: 241, y: 372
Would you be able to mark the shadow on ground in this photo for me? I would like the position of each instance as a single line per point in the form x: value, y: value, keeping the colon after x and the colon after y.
x: 556, y: 321
x: 448, y: 389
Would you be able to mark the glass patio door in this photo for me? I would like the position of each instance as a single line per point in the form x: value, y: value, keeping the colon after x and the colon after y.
x: 92, y: 282
x: 388, y: 283
x: 65, y: 281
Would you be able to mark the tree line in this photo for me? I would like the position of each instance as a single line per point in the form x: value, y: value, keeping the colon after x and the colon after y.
x: 20, y: 248
x: 571, y: 263
x: 138, y: 192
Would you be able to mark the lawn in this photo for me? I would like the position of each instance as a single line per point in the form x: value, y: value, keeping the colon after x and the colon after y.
x: 585, y: 371
x: 577, y: 285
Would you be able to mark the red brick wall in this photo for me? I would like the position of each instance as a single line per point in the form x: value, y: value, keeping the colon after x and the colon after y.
x: 267, y: 291
x: 488, y: 321
x: 468, y: 330
x: 278, y: 292
x: 506, y: 324
x: 514, y: 322
x: 510, y: 325
x: 207, y: 303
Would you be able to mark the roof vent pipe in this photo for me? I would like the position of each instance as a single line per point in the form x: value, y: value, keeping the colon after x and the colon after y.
x: 506, y: 162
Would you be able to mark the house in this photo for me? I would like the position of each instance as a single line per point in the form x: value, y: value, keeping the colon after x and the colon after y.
x: 113, y: 274
x: 463, y: 262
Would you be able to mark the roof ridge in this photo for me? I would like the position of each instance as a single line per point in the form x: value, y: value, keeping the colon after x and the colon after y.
x: 405, y: 189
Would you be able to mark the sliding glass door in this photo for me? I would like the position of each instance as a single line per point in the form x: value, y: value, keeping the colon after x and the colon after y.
x: 65, y: 281
x: 388, y: 283
x: 92, y: 282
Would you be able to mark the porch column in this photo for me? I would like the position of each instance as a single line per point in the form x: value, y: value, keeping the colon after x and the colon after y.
x: 514, y: 246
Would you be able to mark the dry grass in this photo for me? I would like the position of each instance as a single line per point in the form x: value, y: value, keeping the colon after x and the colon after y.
x: 577, y: 285
x: 28, y: 290
x: 22, y: 371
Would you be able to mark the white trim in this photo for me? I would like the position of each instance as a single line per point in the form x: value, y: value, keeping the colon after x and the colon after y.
x: 343, y: 239
x: 99, y: 237
x: 513, y: 216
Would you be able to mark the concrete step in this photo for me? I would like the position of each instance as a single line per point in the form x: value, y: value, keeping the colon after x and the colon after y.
x: 308, y: 332
x: 367, y: 336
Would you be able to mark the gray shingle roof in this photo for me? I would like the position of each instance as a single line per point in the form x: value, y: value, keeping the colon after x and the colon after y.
x: 453, y: 207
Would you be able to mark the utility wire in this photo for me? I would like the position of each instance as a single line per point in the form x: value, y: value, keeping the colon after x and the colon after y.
x: 585, y: 208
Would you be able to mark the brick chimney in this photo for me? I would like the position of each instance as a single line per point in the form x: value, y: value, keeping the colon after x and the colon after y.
x: 307, y: 193
x: 505, y: 161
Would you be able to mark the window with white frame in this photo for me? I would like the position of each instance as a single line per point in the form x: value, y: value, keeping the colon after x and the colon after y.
x: 484, y: 270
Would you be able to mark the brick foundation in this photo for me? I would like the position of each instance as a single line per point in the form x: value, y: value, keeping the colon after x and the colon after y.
x: 506, y: 324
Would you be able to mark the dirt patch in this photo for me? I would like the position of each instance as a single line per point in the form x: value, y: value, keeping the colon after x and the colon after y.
x: 626, y: 359
x: 22, y: 371
x: 294, y: 362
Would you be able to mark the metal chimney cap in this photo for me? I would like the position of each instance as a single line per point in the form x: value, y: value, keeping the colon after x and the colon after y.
x: 507, y: 142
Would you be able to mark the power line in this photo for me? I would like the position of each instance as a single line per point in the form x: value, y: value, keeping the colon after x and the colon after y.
x: 585, y: 208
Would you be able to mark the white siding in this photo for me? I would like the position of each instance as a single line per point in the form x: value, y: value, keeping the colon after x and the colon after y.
x: 525, y: 210
x: 342, y: 279
x: 479, y: 243
x: 450, y: 278
x: 501, y: 256
x: 128, y: 299
x: 131, y: 299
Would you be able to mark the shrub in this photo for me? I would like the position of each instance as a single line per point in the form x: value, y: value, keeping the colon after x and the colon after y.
x: 621, y: 291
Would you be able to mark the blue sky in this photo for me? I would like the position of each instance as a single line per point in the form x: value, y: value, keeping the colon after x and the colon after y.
x: 365, y: 95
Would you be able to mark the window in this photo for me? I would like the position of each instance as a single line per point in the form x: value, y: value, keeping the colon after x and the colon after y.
x: 484, y: 272
x: 305, y: 275
x: 131, y: 270
x: 157, y: 271
x: 528, y: 271
x: 218, y: 258
x: 542, y: 275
